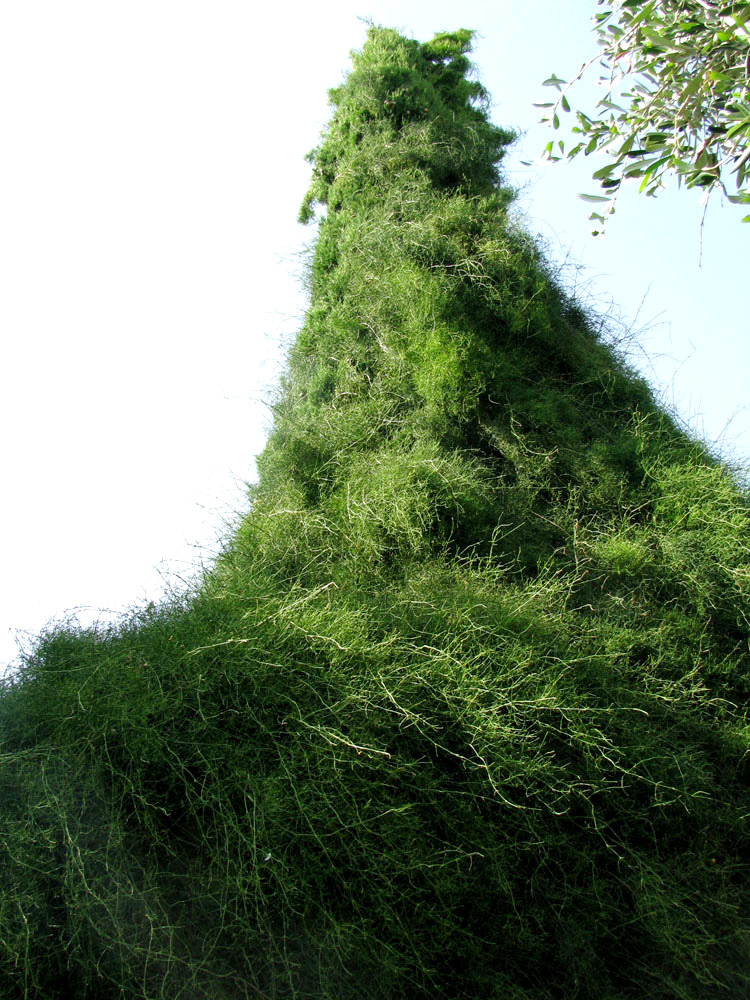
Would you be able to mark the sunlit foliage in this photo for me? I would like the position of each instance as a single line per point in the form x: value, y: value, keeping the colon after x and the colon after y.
x: 676, y: 99
x: 459, y: 712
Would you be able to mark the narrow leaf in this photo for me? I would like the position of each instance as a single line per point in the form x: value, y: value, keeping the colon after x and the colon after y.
x: 733, y: 130
x: 604, y: 171
x: 610, y: 105
x: 554, y: 81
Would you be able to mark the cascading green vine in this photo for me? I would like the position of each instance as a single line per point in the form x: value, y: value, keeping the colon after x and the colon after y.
x: 460, y: 710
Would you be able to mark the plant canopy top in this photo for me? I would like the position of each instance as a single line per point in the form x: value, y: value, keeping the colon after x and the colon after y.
x: 417, y: 94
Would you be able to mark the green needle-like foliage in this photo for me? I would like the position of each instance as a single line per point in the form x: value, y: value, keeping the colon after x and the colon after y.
x: 460, y: 711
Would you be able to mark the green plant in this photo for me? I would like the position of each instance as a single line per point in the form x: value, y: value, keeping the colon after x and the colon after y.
x: 676, y: 103
x: 460, y: 709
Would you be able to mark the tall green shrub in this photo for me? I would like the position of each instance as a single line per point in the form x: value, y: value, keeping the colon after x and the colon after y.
x: 460, y: 711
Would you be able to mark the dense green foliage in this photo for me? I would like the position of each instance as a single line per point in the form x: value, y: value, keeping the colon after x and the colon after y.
x: 676, y: 77
x: 460, y: 711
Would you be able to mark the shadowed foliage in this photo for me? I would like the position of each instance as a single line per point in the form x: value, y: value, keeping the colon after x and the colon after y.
x: 460, y: 710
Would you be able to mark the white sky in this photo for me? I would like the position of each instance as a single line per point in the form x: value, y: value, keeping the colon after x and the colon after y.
x: 150, y: 180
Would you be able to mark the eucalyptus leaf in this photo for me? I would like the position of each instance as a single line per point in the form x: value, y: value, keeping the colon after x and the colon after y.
x: 677, y: 85
x: 604, y: 171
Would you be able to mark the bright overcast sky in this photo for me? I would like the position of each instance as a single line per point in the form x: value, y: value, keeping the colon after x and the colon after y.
x: 151, y: 174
